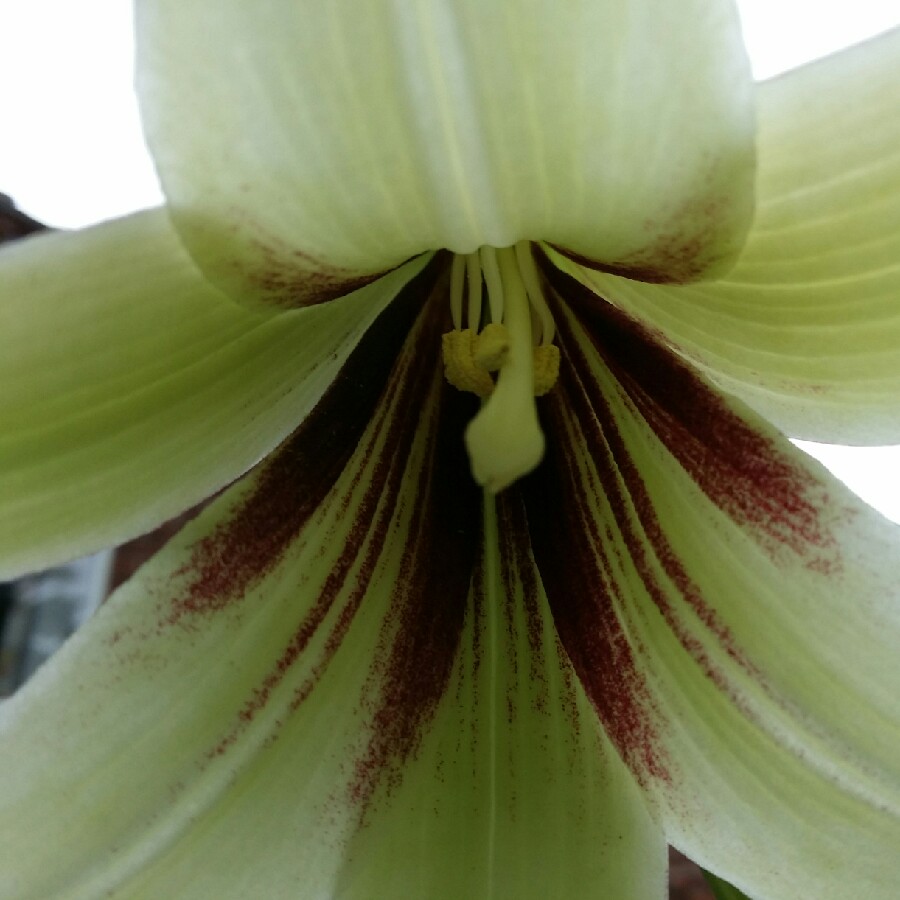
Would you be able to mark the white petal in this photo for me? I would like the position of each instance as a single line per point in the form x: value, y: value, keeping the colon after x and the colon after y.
x: 341, y: 138
x: 806, y: 327
x: 130, y: 388
x: 322, y: 687
x: 515, y: 792
x: 734, y: 614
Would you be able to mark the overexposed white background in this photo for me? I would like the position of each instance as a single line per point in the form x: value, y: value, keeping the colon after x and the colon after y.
x: 71, y: 150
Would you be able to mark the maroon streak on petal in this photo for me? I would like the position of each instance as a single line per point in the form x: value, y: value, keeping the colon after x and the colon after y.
x: 294, y: 480
x: 641, y: 269
x: 680, y: 249
x: 586, y: 420
x: 281, y: 275
x: 389, y: 400
x: 592, y: 423
x: 372, y: 515
x: 421, y: 637
x: 740, y: 468
x: 518, y: 573
x: 577, y: 567
x: 420, y: 632
x: 294, y: 279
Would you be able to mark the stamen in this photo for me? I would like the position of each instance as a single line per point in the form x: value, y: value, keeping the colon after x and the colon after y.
x: 457, y: 284
x: 460, y: 368
x: 473, y: 272
x: 492, y: 347
x: 535, y: 294
x: 546, y: 368
x: 494, y: 282
x: 505, y: 440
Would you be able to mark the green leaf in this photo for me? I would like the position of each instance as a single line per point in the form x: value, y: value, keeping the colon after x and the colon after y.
x: 341, y: 138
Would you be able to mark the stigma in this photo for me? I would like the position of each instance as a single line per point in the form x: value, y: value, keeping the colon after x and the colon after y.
x: 504, y: 354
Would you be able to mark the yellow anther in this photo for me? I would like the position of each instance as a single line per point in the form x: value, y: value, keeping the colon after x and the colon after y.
x: 546, y: 368
x: 508, y: 363
x: 492, y: 347
x: 460, y: 368
x: 469, y: 357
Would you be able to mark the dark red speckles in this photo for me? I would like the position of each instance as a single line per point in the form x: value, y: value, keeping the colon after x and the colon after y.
x: 681, y: 248
x: 292, y: 482
x: 673, y: 258
x: 577, y: 570
x: 289, y: 278
x: 520, y: 580
x: 739, y: 467
x: 585, y: 416
x: 392, y: 383
x: 421, y: 638
x: 428, y: 601
x: 652, y: 266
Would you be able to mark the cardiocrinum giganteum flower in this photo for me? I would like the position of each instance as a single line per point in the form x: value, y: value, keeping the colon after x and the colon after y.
x: 358, y: 673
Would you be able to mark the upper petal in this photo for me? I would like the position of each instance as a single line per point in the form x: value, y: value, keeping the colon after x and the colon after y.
x: 733, y: 612
x: 341, y: 138
x: 130, y: 388
x: 806, y: 327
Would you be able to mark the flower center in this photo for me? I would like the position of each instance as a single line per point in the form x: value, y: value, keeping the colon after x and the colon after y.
x: 512, y: 338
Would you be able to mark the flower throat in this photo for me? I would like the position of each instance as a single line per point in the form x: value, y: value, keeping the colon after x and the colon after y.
x: 504, y: 355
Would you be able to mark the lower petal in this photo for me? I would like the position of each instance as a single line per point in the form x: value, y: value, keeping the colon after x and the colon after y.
x: 515, y: 792
x: 208, y: 727
x: 336, y: 680
x: 733, y: 613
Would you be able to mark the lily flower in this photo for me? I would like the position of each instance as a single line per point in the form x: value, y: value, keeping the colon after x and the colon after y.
x: 441, y: 637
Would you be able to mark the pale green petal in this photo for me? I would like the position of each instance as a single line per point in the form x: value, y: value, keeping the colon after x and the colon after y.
x: 325, y: 687
x: 130, y: 388
x: 340, y: 138
x: 516, y: 792
x: 754, y: 611
x: 806, y: 327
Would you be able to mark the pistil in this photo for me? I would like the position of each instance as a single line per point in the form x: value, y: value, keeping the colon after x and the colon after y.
x: 504, y: 440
